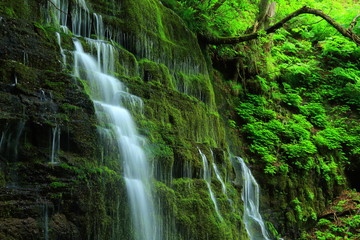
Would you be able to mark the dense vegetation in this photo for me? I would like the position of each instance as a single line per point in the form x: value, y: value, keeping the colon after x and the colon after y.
x: 298, y: 92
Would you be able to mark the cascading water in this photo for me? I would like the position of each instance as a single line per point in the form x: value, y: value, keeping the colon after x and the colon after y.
x: 110, y: 98
x: 207, y: 178
x: 106, y: 93
x: 254, y: 223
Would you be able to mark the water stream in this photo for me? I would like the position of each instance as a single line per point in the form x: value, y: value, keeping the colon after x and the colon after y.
x: 110, y: 98
x: 207, y: 178
x: 106, y: 93
x: 55, y: 144
x: 254, y: 223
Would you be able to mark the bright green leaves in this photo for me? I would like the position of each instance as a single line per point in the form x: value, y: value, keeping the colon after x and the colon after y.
x: 330, y: 138
x: 342, y: 220
x: 215, y: 17
x: 315, y: 113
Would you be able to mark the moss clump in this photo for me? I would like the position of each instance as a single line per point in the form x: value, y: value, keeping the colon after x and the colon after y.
x: 155, y: 73
x: 23, y: 9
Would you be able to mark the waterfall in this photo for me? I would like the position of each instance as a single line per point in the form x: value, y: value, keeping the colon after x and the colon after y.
x: 207, y: 178
x: 112, y: 101
x: 254, y: 223
x: 110, y: 96
x: 106, y: 91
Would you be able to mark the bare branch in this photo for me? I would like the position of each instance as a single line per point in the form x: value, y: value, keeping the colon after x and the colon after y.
x: 57, y: 8
x: 353, y: 23
x: 304, y: 10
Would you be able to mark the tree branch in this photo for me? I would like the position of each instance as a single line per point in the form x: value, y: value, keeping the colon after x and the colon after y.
x: 304, y: 10
x: 57, y: 8
x: 353, y: 23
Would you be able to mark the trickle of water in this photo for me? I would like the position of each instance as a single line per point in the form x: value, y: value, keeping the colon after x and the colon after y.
x: 46, y: 221
x: 26, y: 58
x: 10, y: 139
x: 60, y: 9
x: 254, y: 223
x: 207, y: 178
x: 81, y: 21
x: 99, y: 27
x: 55, y: 144
x: 187, y: 171
x: 61, y: 49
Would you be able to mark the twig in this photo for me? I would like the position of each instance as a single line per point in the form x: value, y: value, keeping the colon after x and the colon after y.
x: 58, y: 8
x: 353, y: 23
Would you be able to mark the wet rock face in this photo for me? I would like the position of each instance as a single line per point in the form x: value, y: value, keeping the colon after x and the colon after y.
x: 23, y: 42
x: 35, y: 97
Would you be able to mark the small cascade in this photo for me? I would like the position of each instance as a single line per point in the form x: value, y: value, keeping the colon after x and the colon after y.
x: 26, y: 58
x: 9, y: 147
x: 99, y: 26
x: 81, y: 21
x: 207, y: 178
x: 223, y: 185
x: 105, y: 54
x: 187, y: 170
x: 217, y: 173
x: 15, y: 81
x: 80, y: 16
x: 60, y: 8
x: 254, y: 223
x: 62, y: 52
x: 10, y: 139
x: 46, y: 221
x: 55, y: 144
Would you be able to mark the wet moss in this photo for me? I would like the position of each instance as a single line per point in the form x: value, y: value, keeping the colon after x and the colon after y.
x: 156, y: 73
x: 23, y: 9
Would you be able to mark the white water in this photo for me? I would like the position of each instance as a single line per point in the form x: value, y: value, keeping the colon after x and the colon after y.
x: 55, y: 144
x: 61, y: 49
x: 207, y: 178
x: 254, y: 223
x: 105, y: 92
x: 217, y: 173
x: 109, y: 96
x: 81, y: 21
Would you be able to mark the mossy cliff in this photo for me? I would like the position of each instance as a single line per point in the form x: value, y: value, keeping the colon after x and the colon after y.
x: 56, y: 181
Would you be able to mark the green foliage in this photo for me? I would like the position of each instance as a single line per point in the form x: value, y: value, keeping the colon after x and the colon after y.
x: 315, y: 113
x: 212, y: 17
x: 345, y: 222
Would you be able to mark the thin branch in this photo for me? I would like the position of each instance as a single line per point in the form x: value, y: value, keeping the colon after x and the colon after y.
x: 57, y: 8
x: 304, y: 10
x: 353, y: 23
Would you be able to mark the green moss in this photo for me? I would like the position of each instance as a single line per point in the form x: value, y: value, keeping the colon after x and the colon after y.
x: 58, y: 184
x: 155, y: 73
x: 19, y: 9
